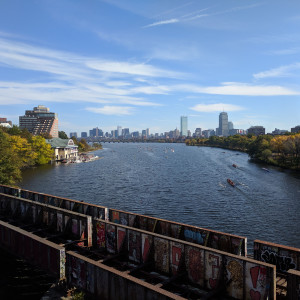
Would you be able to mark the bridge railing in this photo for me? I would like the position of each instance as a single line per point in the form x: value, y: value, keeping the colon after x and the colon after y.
x: 210, y: 238
x: 213, y: 239
x: 283, y: 257
x: 61, y: 221
x: 208, y: 269
x: 38, y: 251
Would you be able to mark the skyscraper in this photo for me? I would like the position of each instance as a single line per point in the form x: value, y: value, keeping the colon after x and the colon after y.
x: 223, y: 124
x: 40, y: 121
x: 119, y: 131
x: 183, y: 126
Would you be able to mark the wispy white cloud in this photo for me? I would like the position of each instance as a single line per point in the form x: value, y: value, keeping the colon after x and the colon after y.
x: 217, y: 107
x: 165, y: 22
x: 112, y: 110
x: 196, y: 15
x: 131, y: 69
x: 282, y: 71
x: 67, y: 77
x: 240, y: 89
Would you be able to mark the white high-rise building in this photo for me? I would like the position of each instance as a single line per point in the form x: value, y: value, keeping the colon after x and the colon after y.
x: 223, y: 124
x: 183, y: 126
x: 119, y: 130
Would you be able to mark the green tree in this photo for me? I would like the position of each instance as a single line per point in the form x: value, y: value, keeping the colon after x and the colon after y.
x: 43, y: 151
x: 15, y: 130
x: 23, y: 149
x: 62, y: 135
x: 10, y: 163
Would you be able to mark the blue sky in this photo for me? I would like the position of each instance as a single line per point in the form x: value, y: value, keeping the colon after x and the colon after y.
x: 143, y: 64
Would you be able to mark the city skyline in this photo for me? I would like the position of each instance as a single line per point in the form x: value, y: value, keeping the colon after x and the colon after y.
x: 145, y: 64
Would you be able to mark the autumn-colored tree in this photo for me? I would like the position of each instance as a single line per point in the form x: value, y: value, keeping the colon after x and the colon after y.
x: 10, y: 162
x: 43, y: 151
x: 23, y: 149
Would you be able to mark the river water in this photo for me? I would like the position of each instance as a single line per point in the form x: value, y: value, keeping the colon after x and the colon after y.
x: 183, y: 184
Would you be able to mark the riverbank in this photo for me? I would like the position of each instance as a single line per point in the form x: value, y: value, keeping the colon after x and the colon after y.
x: 280, y: 151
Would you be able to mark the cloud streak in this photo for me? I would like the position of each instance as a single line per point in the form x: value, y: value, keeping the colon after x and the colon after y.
x: 283, y: 71
x: 195, y: 15
x: 165, y: 22
x: 112, y: 110
x: 217, y: 107
x: 241, y: 89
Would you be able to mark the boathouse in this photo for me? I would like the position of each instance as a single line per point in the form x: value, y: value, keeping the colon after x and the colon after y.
x: 64, y: 149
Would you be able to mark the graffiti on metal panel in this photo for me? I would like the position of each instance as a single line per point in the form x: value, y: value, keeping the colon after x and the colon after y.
x: 176, y: 253
x: 195, y: 236
x: 123, y: 219
x: 134, y: 246
x: 146, y: 245
x: 62, y: 263
x: 236, y: 273
x: 100, y: 213
x: 236, y: 245
x: 121, y: 238
x: 283, y: 263
x: 115, y: 218
x: 258, y: 280
x: 131, y: 220
x: 195, y: 265
x: 161, y: 256
x: 100, y: 229
x: 110, y: 238
x: 82, y: 234
x: 214, y: 261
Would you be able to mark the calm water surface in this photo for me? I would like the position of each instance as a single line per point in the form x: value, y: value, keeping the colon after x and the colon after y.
x: 183, y: 184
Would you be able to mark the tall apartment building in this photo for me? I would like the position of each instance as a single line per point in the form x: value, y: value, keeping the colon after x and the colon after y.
x: 183, y: 126
x: 40, y: 121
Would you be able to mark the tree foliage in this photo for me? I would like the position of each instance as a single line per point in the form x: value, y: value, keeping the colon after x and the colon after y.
x: 282, y: 150
x: 20, y: 149
x: 62, y: 135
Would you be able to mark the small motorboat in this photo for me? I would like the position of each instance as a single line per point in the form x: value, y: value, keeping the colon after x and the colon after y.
x: 230, y: 182
x: 234, y: 165
x: 265, y: 169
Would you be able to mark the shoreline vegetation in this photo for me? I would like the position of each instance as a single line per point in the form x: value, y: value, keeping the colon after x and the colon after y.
x: 281, y: 151
x: 19, y: 149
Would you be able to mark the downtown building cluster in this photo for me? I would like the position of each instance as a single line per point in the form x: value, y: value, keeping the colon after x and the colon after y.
x: 40, y: 121
x: 226, y: 128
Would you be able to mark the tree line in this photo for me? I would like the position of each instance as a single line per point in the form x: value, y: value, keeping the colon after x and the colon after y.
x: 281, y: 150
x: 19, y: 149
